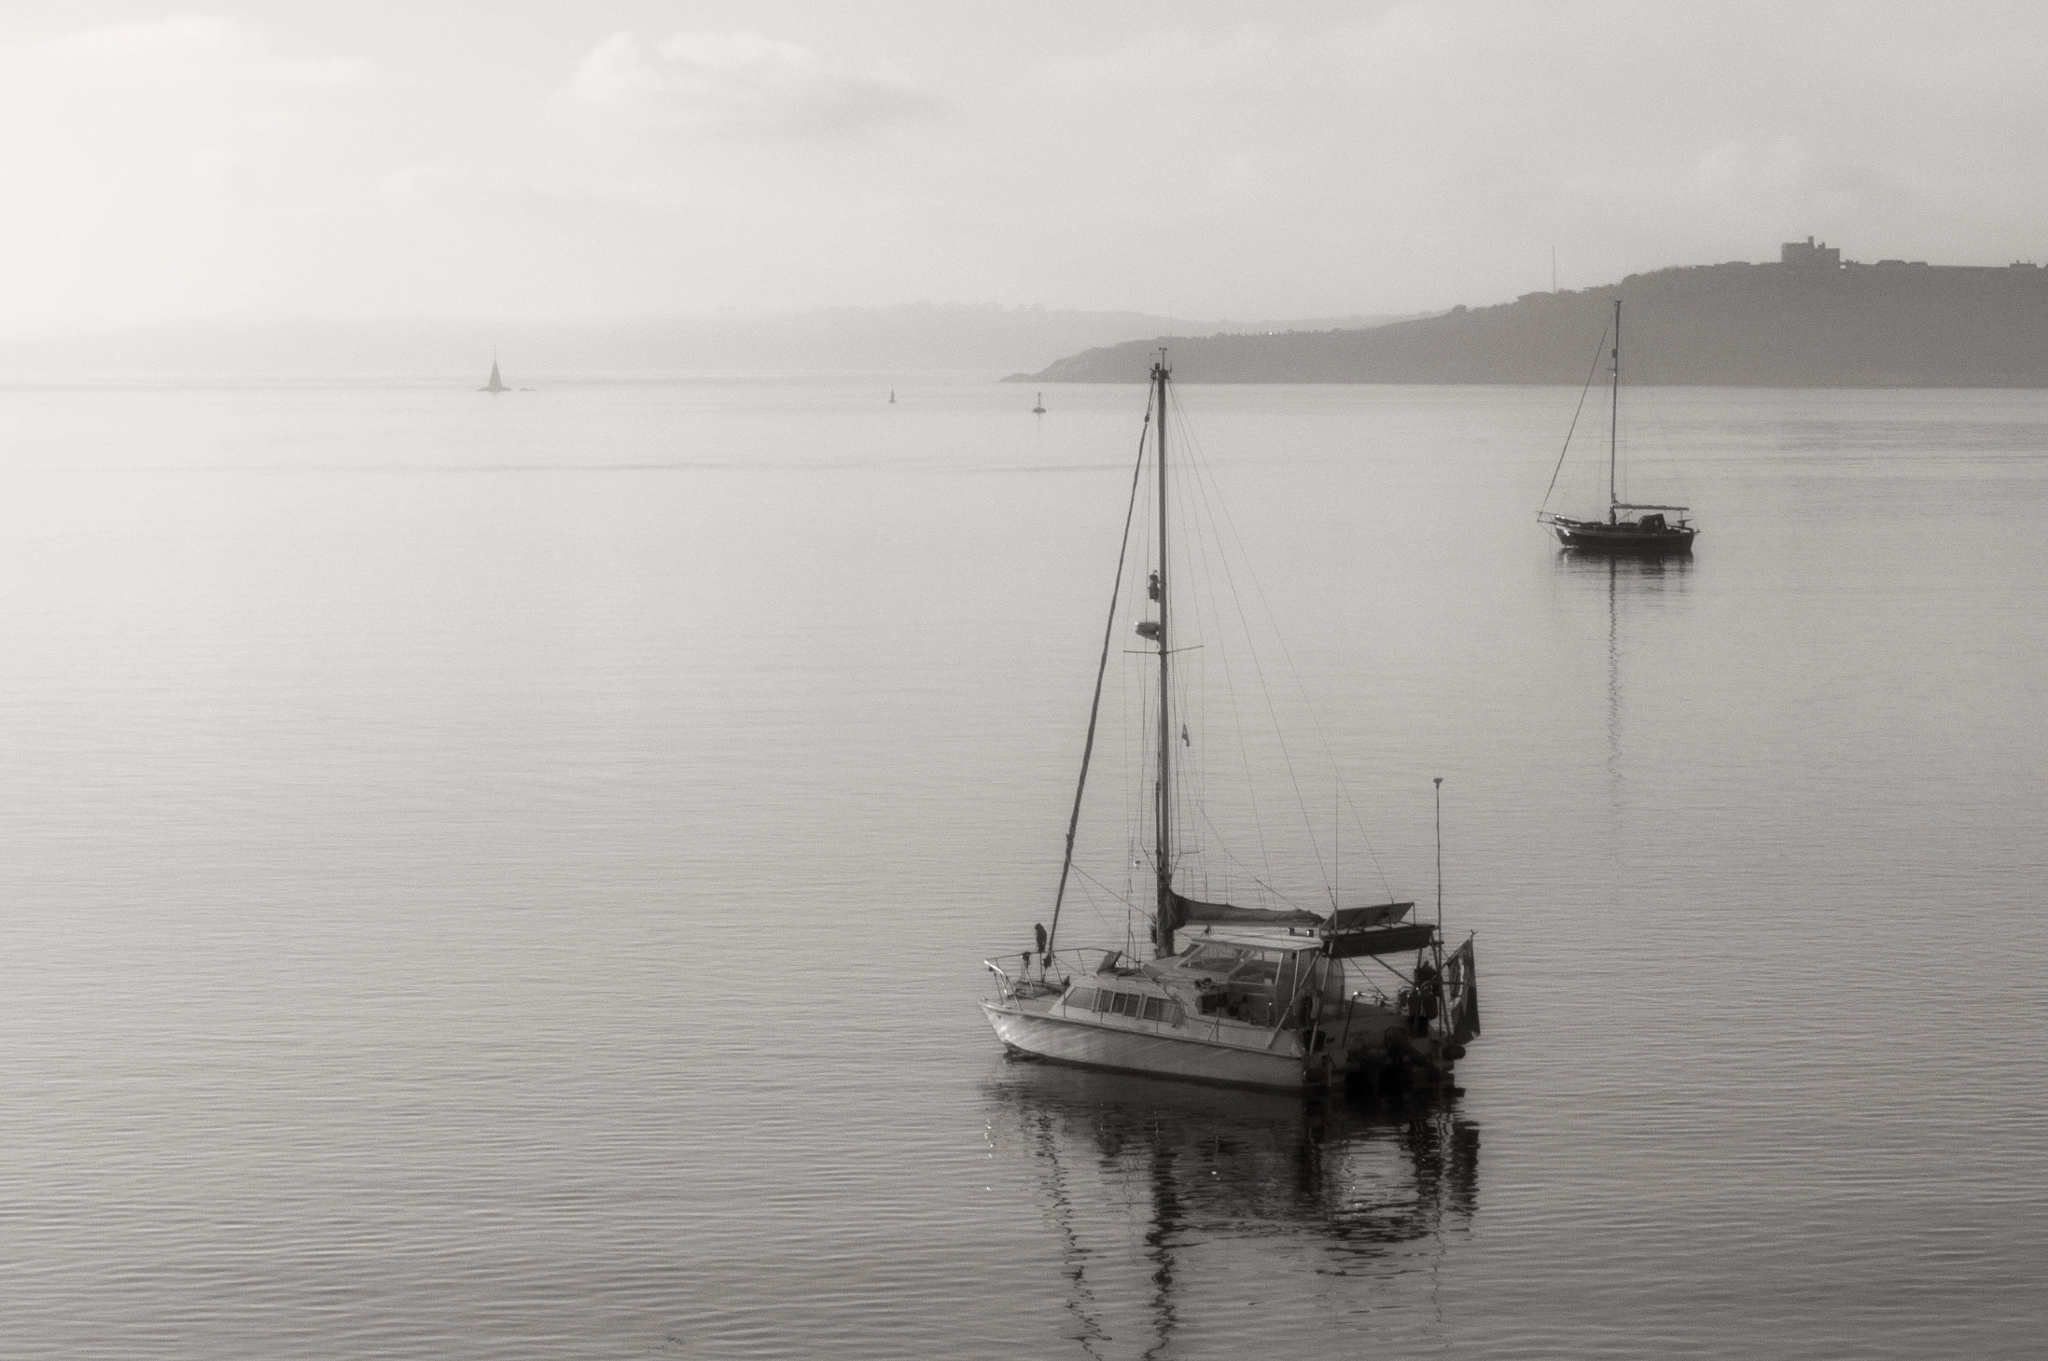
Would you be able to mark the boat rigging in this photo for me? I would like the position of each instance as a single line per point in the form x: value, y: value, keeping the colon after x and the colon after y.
x: 1242, y: 996
x: 1648, y: 529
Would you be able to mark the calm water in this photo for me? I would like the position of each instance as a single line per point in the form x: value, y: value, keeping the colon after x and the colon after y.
x: 505, y: 878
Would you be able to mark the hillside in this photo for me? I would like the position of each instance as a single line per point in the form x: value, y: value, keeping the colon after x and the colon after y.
x: 1810, y: 320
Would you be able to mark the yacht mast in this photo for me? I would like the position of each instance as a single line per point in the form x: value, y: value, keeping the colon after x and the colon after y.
x: 1614, y: 416
x: 1162, y: 930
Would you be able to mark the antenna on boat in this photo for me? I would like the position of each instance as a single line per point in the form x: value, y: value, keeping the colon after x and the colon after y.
x: 1439, y: 855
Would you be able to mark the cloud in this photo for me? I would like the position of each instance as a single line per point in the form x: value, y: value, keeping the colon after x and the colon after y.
x: 1309, y: 160
x: 737, y: 84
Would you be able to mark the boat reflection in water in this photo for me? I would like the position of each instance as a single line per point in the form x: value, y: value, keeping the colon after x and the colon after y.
x: 1649, y: 584
x: 1654, y: 572
x: 1174, y: 1207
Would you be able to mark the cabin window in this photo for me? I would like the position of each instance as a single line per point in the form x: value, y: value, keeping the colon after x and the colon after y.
x: 1081, y: 999
x: 1291, y: 971
x: 1333, y: 985
x: 1155, y: 1007
x: 1260, y: 968
x: 1215, y: 957
x: 1126, y: 1004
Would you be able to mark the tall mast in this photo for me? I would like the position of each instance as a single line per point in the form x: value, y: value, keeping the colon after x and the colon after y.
x: 1614, y: 415
x: 1162, y: 934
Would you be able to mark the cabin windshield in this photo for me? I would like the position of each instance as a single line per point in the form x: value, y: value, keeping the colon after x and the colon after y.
x: 1261, y: 969
x: 1215, y: 957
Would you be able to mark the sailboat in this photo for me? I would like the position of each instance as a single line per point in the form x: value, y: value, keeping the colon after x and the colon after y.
x: 496, y: 384
x: 1238, y: 996
x: 1646, y: 528
x: 1039, y: 409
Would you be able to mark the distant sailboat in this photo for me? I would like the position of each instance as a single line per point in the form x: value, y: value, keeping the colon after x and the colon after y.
x: 892, y: 396
x: 1039, y: 410
x: 496, y: 384
x: 1648, y: 530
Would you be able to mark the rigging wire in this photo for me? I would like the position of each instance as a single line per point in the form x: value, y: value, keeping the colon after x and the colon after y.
x: 1102, y: 918
x: 1189, y: 689
x: 1143, y: 788
x: 1644, y: 412
x: 1095, y: 706
x: 1208, y: 599
x: 1127, y: 899
x: 1205, y: 509
x: 1204, y: 484
x: 1249, y: 873
x: 1258, y: 666
x: 1199, y: 607
x: 1301, y: 688
x: 1598, y: 350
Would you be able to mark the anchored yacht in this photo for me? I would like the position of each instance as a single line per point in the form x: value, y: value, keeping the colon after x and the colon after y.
x: 1287, y: 999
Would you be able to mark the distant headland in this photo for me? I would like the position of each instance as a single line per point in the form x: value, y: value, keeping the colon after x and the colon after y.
x: 1810, y: 319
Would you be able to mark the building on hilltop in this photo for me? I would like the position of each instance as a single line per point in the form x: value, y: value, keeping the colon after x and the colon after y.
x: 1809, y: 255
x: 1819, y: 255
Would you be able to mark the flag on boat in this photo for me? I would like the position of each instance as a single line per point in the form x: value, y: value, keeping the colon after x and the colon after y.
x: 1461, y: 972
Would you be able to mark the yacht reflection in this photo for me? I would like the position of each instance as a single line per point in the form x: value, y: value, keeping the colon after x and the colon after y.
x: 1620, y: 577
x: 1136, y: 1171
x: 1609, y: 568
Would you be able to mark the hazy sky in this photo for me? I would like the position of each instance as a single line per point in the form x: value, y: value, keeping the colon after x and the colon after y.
x: 610, y: 157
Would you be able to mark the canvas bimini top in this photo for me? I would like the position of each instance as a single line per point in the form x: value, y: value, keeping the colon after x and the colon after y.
x: 1347, y: 933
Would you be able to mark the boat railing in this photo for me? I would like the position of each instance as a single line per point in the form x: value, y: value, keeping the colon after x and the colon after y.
x: 1036, y: 976
x: 1022, y: 984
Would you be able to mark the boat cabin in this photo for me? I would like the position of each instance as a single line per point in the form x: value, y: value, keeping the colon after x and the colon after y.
x: 1262, y: 978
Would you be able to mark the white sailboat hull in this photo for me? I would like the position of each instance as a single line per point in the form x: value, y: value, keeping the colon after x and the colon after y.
x: 1187, y: 1052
